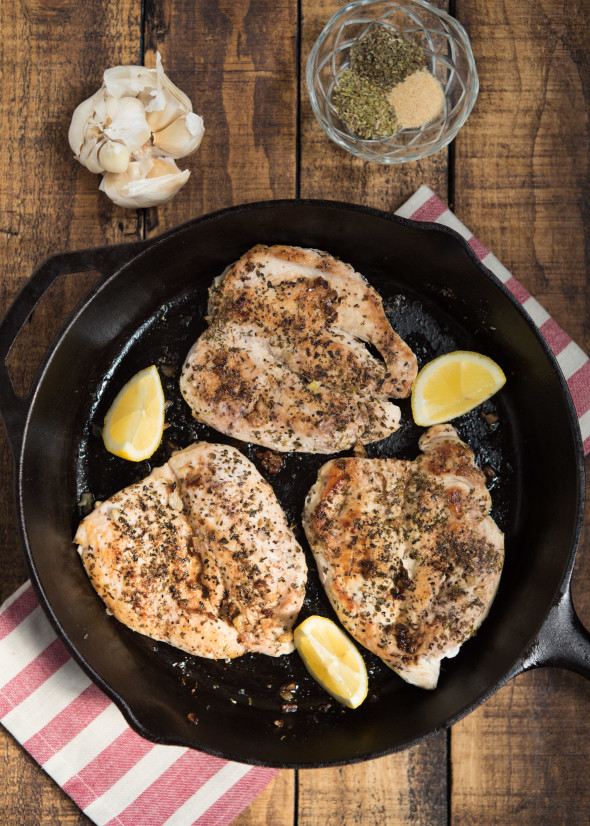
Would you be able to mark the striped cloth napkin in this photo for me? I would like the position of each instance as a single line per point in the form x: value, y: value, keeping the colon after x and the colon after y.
x: 81, y: 739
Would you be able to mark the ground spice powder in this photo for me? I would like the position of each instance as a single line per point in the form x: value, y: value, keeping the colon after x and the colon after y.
x: 417, y: 99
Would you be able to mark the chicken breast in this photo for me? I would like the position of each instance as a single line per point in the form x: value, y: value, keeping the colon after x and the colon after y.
x: 199, y: 555
x: 283, y: 363
x: 407, y: 552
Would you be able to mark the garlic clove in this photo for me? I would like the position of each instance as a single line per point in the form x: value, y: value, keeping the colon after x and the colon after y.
x: 126, y: 122
x: 162, y: 166
x: 113, y: 157
x: 160, y: 118
x: 181, y: 137
x: 161, y: 184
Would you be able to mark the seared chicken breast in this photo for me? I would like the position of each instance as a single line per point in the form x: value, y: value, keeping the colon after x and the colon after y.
x: 199, y: 555
x: 407, y: 551
x: 283, y: 363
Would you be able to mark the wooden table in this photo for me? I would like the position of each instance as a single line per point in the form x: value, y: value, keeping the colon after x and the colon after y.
x: 518, y: 176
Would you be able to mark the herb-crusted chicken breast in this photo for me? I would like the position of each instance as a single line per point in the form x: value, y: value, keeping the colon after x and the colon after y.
x: 283, y: 363
x: 199, y: 555
x: 407, y: 552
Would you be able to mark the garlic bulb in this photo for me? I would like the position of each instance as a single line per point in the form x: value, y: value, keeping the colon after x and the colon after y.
x: 132, y: 130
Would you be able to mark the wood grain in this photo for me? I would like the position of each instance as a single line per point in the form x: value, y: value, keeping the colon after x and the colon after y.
x: 522, y: 758
x: 405, y: 789
x: 53, y: 57
x: 247, y: 90
x: 521, y: 173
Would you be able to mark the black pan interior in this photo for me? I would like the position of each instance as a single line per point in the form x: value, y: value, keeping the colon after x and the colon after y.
x: 439, y: 299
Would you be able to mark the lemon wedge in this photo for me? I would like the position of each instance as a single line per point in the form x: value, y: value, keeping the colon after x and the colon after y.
x: 453, y: 384
x: 134, y: 424
x: 332, y: 659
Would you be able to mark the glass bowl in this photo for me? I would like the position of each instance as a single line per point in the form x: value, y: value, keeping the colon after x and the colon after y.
x: 448, y: 57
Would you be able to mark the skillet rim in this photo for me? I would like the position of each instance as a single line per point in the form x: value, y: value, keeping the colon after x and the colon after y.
x: 149, y: 244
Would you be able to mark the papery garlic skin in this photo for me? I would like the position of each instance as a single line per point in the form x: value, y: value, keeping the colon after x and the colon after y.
x: 131, y: 130
x: 80, y: 126
x: 135, y: 189
x: 126, y: 122
x: 128, y: 81
x: 152, y: 86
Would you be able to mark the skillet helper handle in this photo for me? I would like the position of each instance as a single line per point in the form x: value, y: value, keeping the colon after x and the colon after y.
x: 106, y: 260
x: 563, y: 642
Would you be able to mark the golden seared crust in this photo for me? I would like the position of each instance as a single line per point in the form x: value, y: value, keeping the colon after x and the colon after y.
x: 283, y: 363
x: 199, y: 555
x: 407, y: 552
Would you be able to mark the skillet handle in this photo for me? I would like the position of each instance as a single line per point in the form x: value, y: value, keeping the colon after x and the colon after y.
x: 106, y: 260
x: 562, y: 642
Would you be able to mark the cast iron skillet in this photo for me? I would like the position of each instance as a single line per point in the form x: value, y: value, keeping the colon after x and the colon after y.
x: 148, y: 307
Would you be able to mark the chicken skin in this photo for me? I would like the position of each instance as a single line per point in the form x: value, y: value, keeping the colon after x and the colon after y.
x: 407, y: 552
x: 199, y: 555
x: 283, y: 363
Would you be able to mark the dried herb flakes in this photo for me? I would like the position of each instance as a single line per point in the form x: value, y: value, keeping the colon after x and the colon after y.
x: 385, y: 57
x: 363, y: 107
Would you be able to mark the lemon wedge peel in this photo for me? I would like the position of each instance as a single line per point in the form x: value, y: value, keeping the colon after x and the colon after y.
x: 454, y: 384
x: 332, y: 659
x: 134, y: 423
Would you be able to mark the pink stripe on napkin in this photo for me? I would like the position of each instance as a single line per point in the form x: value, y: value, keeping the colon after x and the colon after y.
x: 62, y: 728
x: 32, y: 676
x: 424, y: 205
x: 71, y: 728
x: 78, y: 735
x: 107, y: 768
x: 16, y: 610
